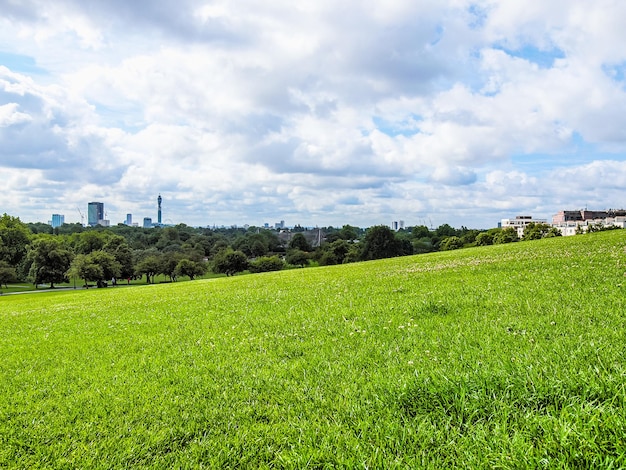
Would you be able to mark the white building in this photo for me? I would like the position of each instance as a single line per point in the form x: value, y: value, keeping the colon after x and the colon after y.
x: 573, y: 222
x: 397, y: 225
x: 520, y: 223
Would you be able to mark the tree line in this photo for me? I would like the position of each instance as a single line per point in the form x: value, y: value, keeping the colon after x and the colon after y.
x: 37, y: 253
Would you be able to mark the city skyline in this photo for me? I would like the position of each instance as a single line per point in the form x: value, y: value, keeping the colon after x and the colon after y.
x: 462, y: 112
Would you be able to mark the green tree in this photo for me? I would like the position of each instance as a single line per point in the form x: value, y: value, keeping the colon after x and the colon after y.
x: 14, y: 240
x: 266, y: 264
x: 485, y: 238
x: 297, y: 258
x: 230, y: 262
x: 299, y: 242
x: 169, y: 262
x: 40, y: 227
x: 169, y: 236
x: 191, y: 269
x: 149, y: 266
x: 380, y: 242
x: 348, y: 233
x: 506, y: 235
x: 421, y: 231
x: 49, y: 260
x: 336, y: 252
x: 91, y: 240
x: 119, y: 248
x: 7, y: 274
x: 451, y: 243
x: 107, y: 262
x: 445, y: 230
x: 83, y: 267
x: 537, y: 230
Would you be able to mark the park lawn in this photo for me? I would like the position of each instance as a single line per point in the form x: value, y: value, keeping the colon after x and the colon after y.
x: 80, y: 283
x: 511, y: 356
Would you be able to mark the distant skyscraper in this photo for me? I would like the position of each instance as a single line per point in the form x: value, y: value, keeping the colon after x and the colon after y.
x: 147, y: 222
x: 159, y: 199
x: 129, y: 219
x: 57, y: 220
x: 397, y: 225
x: 95, y: 213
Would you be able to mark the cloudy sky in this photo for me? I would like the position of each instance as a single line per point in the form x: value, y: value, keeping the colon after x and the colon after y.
x: 316, y: 113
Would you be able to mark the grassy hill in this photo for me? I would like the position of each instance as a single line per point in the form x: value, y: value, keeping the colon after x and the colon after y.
x: 497, y: 357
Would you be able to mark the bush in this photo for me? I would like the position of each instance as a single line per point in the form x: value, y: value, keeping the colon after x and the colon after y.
x: 297, y: 258
x: 265, y: 264
x: 230, y: 262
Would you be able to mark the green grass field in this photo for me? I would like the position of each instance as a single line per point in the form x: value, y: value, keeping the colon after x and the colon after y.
x: 511, y: 356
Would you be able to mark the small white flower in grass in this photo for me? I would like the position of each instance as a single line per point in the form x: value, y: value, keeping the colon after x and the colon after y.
x: 410, y: 363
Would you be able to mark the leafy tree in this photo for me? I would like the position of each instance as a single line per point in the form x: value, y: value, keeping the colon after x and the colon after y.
x: 199, y: 243
x: 335, y: 252
x: 14, y: 240
x: 50, y: 261
x: 353, y: 255
x: 445, y: 230
x: 117, y: 246
x: 124, y: 256
x: 107, y: 262
x: 297, y: 258
x: 535, y: 231
x: 451, y: 243
x: 230, y: 262
x: 169, y: 236
x: 169, y: 262
x: 149, y: 266
x: 421, y: 231
x: 7, y: 274
x: 68, y: 229
x: 274, y: 244
x: 468, y: 237
x: 83, y: 267
x: 252, y: 244
x: 328, y: 258
x: 219, y: 246
x: 348, y: 233
x: 40, y: 227
x: 191, y: 269
x: 506, y: 235
x: 91, y: 240
x: 485, y: 238
x: 299, y: 242
x: 423, y: 245
x: 380, y: 242
x: 266, y: 264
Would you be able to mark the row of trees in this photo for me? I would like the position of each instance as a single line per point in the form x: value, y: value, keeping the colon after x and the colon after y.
x: 96, y: 255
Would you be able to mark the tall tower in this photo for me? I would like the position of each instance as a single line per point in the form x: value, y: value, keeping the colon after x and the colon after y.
x: 95, y: 213
x: 57, y: 220
x: 159, y: 199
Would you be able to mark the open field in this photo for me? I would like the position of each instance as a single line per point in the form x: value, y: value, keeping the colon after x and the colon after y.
x: 79, y: 284
x: 511, y: 356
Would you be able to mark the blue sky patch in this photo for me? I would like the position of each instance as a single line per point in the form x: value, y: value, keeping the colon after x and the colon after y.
x: 20, y: 63
x: 543, y: 58
x: 406, y: 127
x: 616, y: 72
x: 478, y: 16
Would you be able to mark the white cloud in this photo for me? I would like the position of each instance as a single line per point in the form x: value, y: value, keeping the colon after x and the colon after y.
x: 359, y: 112
x: 9, y: 115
